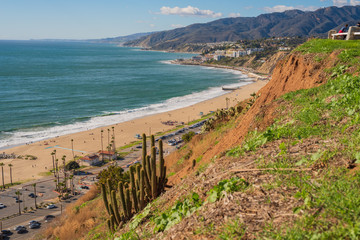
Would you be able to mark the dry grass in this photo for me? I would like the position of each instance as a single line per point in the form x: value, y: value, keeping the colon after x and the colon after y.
x: 79, y: 218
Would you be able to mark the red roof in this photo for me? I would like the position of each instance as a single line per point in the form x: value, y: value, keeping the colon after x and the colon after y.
x: 90, y: 157
x: 106, y: 152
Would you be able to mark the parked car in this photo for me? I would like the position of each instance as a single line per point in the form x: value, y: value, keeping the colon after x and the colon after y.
x: 51, y: 206
x: 6, y: 232
x: 20, y: 229
x: 32, y: 195
x: 84, y: 187
x: 49, y: 218
x: 33, y: 221
x: 2, y: 206
x: 17, y: 200
x: 35, y: 225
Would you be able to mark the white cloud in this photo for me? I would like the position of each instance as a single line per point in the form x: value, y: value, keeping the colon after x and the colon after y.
x: 282, y: 8
x: 189, y: 11
x: 340, y: 3
x: 152, y: 25
x: 354, y: 2
x: 233, y: 15
x: 176, y: 25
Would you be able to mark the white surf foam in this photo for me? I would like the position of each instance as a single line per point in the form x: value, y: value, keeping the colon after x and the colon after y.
x: 37, y: 134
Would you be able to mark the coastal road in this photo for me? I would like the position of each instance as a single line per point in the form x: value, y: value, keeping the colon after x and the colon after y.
x: 45, y: 188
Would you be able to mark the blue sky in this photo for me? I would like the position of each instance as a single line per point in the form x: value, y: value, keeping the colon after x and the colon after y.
x: 89, y: 19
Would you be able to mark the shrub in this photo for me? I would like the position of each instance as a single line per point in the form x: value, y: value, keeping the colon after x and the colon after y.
x: 188, y: 136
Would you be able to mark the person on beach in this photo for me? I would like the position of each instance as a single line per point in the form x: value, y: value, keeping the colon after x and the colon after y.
x: 358, y: 24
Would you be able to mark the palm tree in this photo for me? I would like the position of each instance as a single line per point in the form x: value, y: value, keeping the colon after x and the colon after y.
x: 108, y: 137
x: 18, y: 193
x: 10, y: 166
x: 102, y: 146
x: 2, y: 171
x: 72, y: 148
x: 34, y: 185
x: 53, y: 162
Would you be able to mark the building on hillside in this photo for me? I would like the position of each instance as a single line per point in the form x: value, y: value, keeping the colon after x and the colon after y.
x: 284, y: 48
x: 197, y: 58
x: 108, y: 155
x: 218, y: 57
x: 220, y: 52
x: 90, y: 160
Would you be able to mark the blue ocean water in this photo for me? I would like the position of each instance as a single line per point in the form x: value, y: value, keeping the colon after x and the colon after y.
x: 53, y: 88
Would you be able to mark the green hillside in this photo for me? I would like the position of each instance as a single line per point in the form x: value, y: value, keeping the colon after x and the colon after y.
x: 293, y: 176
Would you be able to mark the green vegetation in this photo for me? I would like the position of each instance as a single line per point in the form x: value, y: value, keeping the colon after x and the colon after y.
x: 188, y: 136
x: 145, y: 186
x: 330, y: 113
x: 328, y: 46
x: 179, y: 211
x: 234, y: 184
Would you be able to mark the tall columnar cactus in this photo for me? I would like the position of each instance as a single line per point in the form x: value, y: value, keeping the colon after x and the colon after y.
x: 122, y: 200
x: 142, y: 189
x: 138, y: 172
x: 153, y: 173
x: 104, y: 196
x: 146, y: 183
x: 144, y: 152
x: 152, y: 138
x: 133, y: 189
x: 115, y: 207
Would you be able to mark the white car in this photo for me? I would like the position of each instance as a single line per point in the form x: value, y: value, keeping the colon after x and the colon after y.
x: 51, y: 206
x: 2, y: 206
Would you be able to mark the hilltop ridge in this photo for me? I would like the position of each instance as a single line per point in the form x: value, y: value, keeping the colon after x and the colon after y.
x: 285, y: 24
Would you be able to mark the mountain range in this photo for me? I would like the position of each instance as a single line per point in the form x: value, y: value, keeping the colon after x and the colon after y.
x: 285, y: 24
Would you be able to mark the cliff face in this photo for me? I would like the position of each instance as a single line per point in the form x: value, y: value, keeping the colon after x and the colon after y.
x: 293, y: 73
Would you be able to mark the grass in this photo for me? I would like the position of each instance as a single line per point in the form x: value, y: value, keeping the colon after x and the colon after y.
x: 327, y: 46
x: 331, y: 113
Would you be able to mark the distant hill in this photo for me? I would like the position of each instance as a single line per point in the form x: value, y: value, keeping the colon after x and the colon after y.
x: 122, y: 39
x: 285, y: 24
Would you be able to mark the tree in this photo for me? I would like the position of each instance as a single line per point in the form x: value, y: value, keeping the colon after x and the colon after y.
x: 18, y: 193
x: 108, y: 136
x: 72, y: 148
x: 34, y: 185
x: 10, y: 166
x: 53, y: 162
x: 102, y: 146
x: 72, y: 165
x: 2, y: 171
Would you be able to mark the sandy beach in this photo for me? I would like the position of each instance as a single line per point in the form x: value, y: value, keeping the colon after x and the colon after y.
x: 90, y: 141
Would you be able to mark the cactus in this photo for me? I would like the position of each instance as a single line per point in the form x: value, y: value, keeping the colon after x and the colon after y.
x: 115, y: 207
x: 104, y: 196
x: 144, y: 152
x: 109, y: 224
x: 112, y: 223
x: 138, y: 170
x: 152, y: 138
x: 153, y: 173
x: 142, y: 189
x: 122, y: 199
x: 162, y: 162
x: 128, y: 203
x: 133, y: 189
x: 145, y: 185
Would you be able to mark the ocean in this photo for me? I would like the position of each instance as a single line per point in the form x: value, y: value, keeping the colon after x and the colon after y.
x: 51, y: 88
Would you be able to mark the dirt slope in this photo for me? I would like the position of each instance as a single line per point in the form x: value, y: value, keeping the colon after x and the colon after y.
x: 293, y: 73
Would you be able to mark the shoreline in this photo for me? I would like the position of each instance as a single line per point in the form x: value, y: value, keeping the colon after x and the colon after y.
x: 89, y: 141
x: 249, y: 72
